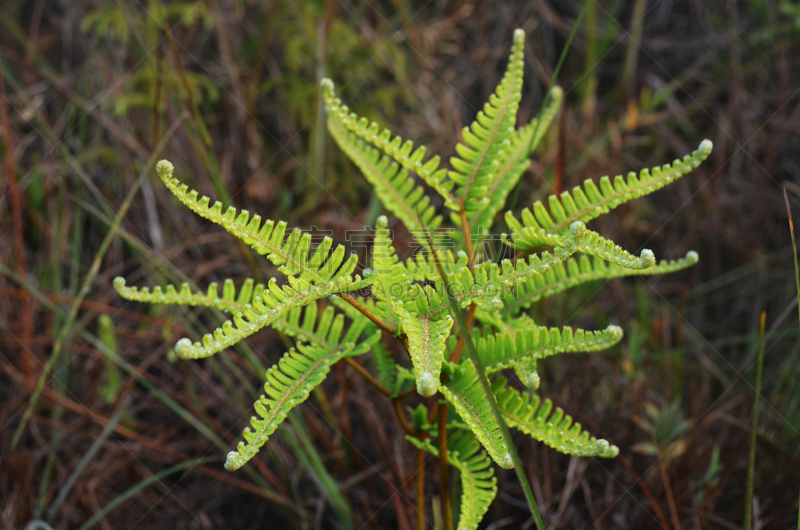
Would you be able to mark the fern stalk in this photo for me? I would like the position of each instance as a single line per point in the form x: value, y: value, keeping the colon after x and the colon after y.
x: 517, y: 463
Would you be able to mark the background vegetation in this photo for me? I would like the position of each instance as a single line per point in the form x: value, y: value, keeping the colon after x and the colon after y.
x: 100, y: 420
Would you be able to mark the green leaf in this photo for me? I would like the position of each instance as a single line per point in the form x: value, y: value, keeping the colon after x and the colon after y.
x: 273, y: 303
x: 574, y: 272
x: 169, y: 294
x: 590, y: 202
x: 288, y: 384
x: 515, y: 162
x: 393, y: 186
x: 402, y: 151
x: 532, y: 416
x: 465, y: 392
x: 507, y: 349
x: 426, y: 344
x: 478, y: 483
x: 322, y: 268
x: 486, y: 141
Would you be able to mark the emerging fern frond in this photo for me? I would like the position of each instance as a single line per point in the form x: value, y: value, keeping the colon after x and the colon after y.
x: 530, y: 236
x: 394, y: 187
x: 229, y: 301
x: 426, y: 342
x: 532, y: 416
x: 486, y: 141
x: 478, y: 483
x: 265, y: 309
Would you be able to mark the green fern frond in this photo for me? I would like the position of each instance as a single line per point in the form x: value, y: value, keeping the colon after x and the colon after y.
x: 532, y: 416
x: 323, y: 267
x: 465, y: 392
x: 486, y: 141
x: 507, y: 349
x: 395, y: 147
x: 426, y: 344
x: 325, y: 332
x: 478, y: 483
x: 490, y: 283
x: 387, y: 368
x: 169, y: 294
x: 393, y: 186
x: 529, y: 236
x: 574, y: 272
x: 388, y: 274
x: 590, y: 202
x: 288, y: 384
x: 274, y: 302
x: 515, y: 162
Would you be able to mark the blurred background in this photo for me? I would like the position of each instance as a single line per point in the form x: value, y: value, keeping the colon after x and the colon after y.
x: 102, y: 426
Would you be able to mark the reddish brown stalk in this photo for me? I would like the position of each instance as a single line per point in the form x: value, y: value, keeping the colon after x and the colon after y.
x: 468, y: 239
x: 19, y: 247
x: 420, y: 464
x: 444, y: 470
x: 367, y: 313
x: 461, y: 339
x: 652, y: 500
x: 411, y: 431
x: 366, y: 375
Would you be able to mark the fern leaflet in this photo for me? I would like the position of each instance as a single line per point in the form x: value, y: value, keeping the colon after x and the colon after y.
x: 478, y: 483
x: 516, y: 160
x: 574, y: 272
x: 394, y: 187
x: 486, y: 141
x: 590, y: 202
x: 323, y: 267
x: 465, y: 392
x: 507, y: 349
x: 426, y: 343
x: 400, y: 150
x: 532, y: 416
x: 288, y: 384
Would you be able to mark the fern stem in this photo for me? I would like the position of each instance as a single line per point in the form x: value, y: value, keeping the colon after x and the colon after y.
x: 468, y: 238
x: 374, y: 382
x: 460, y: 345
x: 444, y: 471
x: 411, y: 431
x: 391, y: 330
x: 523, y: 479
x: 420, y: 465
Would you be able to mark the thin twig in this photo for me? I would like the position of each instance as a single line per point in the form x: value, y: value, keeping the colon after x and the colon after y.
x: 391, y: 330
x: 444, y: 470
x: 420, y: 465
x: 374, y: 382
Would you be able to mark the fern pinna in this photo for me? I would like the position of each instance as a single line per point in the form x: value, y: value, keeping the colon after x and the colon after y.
x: 416, y: 301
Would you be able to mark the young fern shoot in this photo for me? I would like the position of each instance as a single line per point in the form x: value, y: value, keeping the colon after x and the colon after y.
x: 322, y: 304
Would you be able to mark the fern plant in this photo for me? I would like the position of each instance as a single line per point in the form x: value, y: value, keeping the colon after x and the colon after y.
x: 417, y: 301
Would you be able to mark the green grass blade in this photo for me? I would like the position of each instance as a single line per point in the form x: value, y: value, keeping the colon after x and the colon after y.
x: 130, y: 492
x: 73, y: 477
x: 751, y: 461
